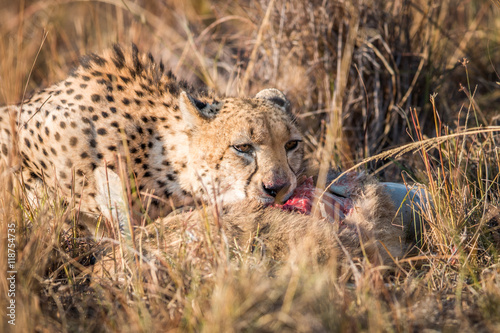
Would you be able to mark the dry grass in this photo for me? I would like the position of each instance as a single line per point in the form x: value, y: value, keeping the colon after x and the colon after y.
x: 362, y: 78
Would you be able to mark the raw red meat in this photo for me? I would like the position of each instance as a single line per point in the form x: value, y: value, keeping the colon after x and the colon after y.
x: 336, y: 208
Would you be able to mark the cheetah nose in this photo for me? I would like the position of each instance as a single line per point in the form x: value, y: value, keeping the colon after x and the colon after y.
x: 274, y: 189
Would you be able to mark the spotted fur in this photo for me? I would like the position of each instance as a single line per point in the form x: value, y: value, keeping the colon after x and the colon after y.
x: 179, y: 143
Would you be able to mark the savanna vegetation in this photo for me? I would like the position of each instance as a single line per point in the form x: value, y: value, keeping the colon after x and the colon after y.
x: 407, y: 90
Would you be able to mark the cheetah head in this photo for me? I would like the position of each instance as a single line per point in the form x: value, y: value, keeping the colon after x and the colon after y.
x: 242, y: 148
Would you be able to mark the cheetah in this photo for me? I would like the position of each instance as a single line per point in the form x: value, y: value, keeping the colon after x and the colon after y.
x: 179, y: 144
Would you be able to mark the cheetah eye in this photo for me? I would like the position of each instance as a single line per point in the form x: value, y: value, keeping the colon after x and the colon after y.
x: 292, y: 144
x: 245, y: 148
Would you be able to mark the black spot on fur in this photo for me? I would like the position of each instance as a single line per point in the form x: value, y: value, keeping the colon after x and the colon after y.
x: 86, y: 61
x: 125, y: 79
x: 151, y: 58
x: 4, y: 149
x: 73, y: 141
x: 184, y: 85
x: 118, y: 57
x: 95, y: 98
x: 102, y: 131
x: 172, y: 88
x: 135, y: 58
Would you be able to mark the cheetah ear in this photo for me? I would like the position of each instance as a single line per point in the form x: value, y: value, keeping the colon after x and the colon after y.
x: 275, y: 96
x: 195, y: 112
